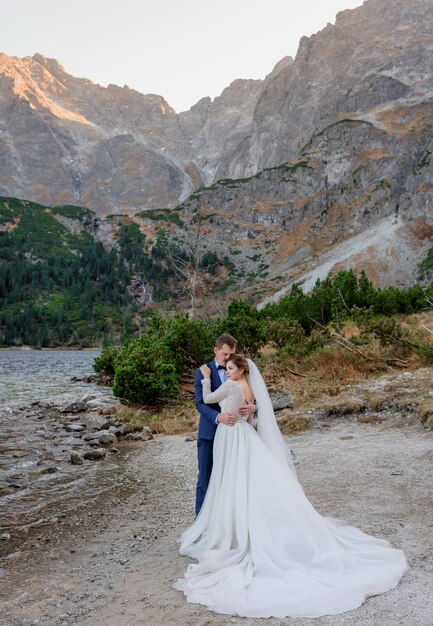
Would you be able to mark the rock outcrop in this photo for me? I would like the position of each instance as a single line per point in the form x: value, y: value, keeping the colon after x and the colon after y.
x: 355, y: 196
x: 375, y: 60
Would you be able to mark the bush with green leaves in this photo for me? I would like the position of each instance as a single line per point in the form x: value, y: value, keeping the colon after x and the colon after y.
x: 333, y: 299
x: 285, y: 332
x: 149, y: 367
x: 246, y: 324
x: 105, y: 362
x: 144, y: 370
x: 190, y: 342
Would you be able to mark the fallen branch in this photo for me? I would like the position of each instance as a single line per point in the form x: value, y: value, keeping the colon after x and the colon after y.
x: 347, y: 344
x: 298, y: 373
x: 342, y: 299
x: 342, y: 341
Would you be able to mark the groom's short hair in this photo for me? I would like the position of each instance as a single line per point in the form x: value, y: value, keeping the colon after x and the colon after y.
x: 227, y: 340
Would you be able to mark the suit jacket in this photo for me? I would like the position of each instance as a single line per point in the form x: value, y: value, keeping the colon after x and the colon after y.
x: 208, y: 412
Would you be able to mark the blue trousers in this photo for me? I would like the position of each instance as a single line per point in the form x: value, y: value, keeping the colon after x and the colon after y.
x: 205, y: 462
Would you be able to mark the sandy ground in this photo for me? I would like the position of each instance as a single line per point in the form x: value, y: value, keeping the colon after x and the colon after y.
x: 114, y: 564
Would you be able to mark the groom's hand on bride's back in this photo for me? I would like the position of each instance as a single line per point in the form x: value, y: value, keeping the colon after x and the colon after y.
x: 227, y: 418
x: 248, y: 409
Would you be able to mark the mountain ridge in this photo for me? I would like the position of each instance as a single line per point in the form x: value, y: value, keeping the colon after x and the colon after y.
x: 118, y: 150
x: 356, y: 104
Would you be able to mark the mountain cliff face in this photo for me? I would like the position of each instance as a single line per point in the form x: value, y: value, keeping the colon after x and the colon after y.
x: 374, y: 61
x: 355, y: 196
x: 220, y: 130
x: 65, y: 139
x: 324, y: 163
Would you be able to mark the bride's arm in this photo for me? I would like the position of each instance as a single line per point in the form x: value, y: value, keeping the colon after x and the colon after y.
x: 211, y: 397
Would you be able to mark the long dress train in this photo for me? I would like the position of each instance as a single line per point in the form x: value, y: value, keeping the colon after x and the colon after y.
x: 262, y: 549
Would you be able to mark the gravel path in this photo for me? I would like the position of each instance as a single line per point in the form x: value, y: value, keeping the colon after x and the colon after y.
x: 114, y: 565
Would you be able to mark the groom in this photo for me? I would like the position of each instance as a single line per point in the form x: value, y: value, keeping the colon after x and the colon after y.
x: 211, y: 415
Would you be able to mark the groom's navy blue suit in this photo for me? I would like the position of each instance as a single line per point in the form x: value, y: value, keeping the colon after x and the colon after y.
x: 206, y: 432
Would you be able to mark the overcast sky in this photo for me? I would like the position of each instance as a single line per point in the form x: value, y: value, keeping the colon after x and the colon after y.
x: 182, y: 50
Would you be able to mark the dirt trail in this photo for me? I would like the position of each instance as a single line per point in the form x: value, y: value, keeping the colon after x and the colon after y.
x: 116, y: 567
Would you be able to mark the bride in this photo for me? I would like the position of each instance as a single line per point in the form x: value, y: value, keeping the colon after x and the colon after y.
x: 262, y: 549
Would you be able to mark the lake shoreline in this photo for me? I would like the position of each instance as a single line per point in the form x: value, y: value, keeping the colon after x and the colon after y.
x: 111, y: 560
x: 116, y: 563
x: 59, y: 348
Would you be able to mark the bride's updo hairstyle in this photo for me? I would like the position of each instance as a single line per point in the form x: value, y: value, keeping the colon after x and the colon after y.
x: 240, y: 361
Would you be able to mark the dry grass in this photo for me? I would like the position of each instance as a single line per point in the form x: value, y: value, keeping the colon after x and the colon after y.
x: 132, y: 427
x: 327, y: 373
x: 335, y: 365
x: 350, y: 330
x: 379, y: 403
x: 169, y: 419
x: 423, y: 322
x: 426, y: 411
x: 344, y: 406
x: 369, y: 419
x: 290, y: 424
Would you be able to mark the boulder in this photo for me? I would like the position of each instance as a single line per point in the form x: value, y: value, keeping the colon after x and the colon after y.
x: 74, y: 428
x: 100, y: 434
x: 281, y: 400
x: 105, y: 440
x: 75, y: 458
x: 139, y: 436
x: 74, y: 407
x: 99, y: 403
x: 97, y: 422
x: 94, y: 455
x: 88, y: 397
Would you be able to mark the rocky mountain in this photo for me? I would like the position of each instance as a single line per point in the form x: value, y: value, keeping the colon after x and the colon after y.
x: 355, y: 196
x: 220, y: 130
x: 374, y: 62
x: 65, y: 139
x: 323, y: 164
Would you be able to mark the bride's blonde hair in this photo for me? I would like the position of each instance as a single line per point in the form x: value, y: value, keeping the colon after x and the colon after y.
x: 240, y: 361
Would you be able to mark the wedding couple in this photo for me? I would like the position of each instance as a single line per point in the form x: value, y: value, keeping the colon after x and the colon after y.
x: 262, y: 549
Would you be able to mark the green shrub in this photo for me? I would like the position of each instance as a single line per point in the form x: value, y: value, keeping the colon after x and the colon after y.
x: 190, y: 342
x: 144, y: 371
x: 285, y: 332
x: 105, y: 363
x: 148, y: 368
x: 246, y: 324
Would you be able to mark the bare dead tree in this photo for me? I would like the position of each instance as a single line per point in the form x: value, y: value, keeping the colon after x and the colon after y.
x: 187, y: 263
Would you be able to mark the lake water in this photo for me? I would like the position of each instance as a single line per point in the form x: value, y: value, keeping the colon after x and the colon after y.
x: 27, y: 376
x: 37, y: 480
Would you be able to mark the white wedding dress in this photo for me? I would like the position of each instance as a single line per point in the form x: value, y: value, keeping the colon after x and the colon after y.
x: 262, y: 549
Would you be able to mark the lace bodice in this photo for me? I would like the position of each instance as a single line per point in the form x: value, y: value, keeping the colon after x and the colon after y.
x: 229, y: 396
